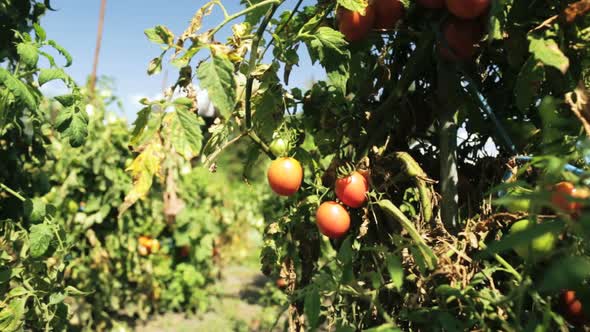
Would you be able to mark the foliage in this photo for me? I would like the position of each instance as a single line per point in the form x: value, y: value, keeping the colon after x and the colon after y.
x: 34, y: 245
x: 391, y: 105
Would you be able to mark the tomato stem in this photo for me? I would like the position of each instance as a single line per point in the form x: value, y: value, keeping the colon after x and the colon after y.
x: 254, y: 59
x: 12, y: 192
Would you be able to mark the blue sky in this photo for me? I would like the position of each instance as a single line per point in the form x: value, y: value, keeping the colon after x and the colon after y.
x: 126, y: 51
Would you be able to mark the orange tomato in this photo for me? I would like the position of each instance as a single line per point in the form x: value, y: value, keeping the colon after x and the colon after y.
x: 467, y: 9
x: 562, y: 195
x: 387, y: 13
x: 285, y: 176
x: 461, y: 37
x: 353, y: 25
x: 145, y: 241
x: 332, y: 219
x: 352, y: 190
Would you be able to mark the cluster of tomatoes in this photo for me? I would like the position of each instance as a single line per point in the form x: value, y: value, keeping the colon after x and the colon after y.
x: 565, y: 199
x: 147, y: 245
x: 462, y: 31
x: 285, y: 176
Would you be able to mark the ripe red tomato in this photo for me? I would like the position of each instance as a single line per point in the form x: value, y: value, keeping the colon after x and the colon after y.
x: 562, y: 195
x: 461, y: 37
x: 353, y: 25
x: 387, y: 13
x: 285, y: 176
x: 431, y: 4
x: 185, y: 251
x: 572, y: 307
x: 281, y: 283
x: 467, y: 9
x: 332, y: 219
x: 352, y: 190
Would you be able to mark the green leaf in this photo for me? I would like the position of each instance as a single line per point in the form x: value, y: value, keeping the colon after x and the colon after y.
x: 140, y: 123
x: 160, y: 35
x: 50, y: 74
x: 28, y: 54
x: 312, y: 306
x: 345, y: 252
x: 155, y: 66
x: 72, y: 122
x: 528, y: 83
x: 185, y: 132
x: 565, y: 273
x: 395, y: 269
x: 514, y: 240
x: 71, y: 290
x: 18, y: 89
x: 34, y: 209
x: 326, y: 42
x: 384, y: 328
x: 547, y: 51
x: 39, y: 32
x: 393, y: 212
x: 56, y: 298
x: 40, y: 238
x: 354, y: 5
x: 217, y: 78
x: 67, y: 100
x: 61, y: 51
x: 12, y: 316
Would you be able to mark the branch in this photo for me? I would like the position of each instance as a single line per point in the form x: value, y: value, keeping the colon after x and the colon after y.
x: 244, y: 12
x: 252, y: 62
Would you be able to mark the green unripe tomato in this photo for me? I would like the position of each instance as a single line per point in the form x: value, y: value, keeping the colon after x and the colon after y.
x: 538, y: 247
x: 279, y: 147
x: 517, y: 202
x: 72, y: 206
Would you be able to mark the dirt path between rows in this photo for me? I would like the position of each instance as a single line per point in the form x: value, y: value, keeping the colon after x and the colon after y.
x: 234, y: 309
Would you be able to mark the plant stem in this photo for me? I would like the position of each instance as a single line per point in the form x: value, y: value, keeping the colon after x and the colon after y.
x: 243, y: 12
x: 260, y: 143
x: 14, y: 193
x: 252, y: 63
x: 277, y: 31
x: 504, y: 263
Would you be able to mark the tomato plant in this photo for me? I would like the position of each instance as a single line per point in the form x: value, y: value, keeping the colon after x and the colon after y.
x: 441, y: 140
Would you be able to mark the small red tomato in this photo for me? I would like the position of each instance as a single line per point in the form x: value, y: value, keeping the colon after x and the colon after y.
x: 572, y: 307
x: 461, y: 37
x: 281, y: 283
x: 387, y: 13
x: 353, y: 25
x: 467, y: 9
x: 432, y: 4
x: 352, y: 190
x: 562, y: 196
x: 285, y: 176
x: 332, y: 219
x: 185, y: 251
